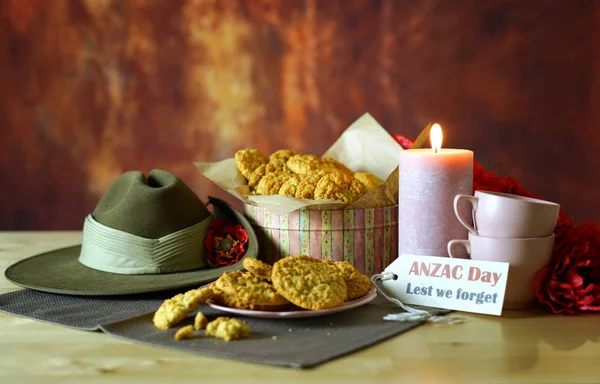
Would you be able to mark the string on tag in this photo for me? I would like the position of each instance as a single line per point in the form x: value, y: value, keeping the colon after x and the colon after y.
x: 410, y: 314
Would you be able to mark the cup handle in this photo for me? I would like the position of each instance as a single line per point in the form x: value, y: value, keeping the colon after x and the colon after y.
x: 453, y: 243
x: 474, y: 202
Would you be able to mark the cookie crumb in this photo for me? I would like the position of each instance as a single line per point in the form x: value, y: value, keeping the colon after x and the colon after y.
x: 200, y: 321
x: 227, y: 329
x: 186, y: 332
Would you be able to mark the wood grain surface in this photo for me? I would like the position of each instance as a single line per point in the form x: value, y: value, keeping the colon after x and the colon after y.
x: 519, y: 347
x: 92, y: 88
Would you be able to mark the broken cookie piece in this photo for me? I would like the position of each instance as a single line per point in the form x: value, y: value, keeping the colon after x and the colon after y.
x: 186, y: 332
x: 227, y: 329
x: 175, y: 309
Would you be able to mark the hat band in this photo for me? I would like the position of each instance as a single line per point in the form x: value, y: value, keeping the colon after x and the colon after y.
x: 111, y: 250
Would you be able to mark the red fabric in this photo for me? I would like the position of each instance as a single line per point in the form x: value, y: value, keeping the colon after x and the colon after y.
x: 570, y: 283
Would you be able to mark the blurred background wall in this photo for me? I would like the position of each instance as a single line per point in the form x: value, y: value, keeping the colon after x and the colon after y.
x: 92, y: 88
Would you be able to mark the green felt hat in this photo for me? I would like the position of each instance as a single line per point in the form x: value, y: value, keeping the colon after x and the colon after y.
x: 145, y: 235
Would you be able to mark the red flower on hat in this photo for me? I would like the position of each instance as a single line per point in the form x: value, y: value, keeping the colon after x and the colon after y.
x: 226, y: 243
x: 570, y: 283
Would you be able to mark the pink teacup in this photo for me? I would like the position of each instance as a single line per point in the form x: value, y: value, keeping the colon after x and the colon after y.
x: 505, y: 215
x: 525, y: 256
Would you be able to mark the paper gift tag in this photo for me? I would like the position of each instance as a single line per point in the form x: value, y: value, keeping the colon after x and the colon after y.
x: 442, y: 282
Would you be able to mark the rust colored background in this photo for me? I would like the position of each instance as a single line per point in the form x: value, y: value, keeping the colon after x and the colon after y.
x: 91, y: 88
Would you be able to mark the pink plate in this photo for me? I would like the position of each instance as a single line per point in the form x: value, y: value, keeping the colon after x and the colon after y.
x: 295, y: 314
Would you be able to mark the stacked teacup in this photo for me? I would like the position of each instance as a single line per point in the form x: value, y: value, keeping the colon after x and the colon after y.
x: 513, y: 229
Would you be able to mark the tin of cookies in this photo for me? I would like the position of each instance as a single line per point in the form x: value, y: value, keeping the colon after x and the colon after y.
x: 271, y: 183
x: 247, y: 160
x: 308, y: 283
x: 357, y: 284
x: 244, y: 290
x: 368, y: 179
x: 339, y: 186
x: 257, y: 267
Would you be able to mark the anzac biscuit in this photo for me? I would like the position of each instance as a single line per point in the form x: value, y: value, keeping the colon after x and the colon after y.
x: 303, y: 164
x: 329, y: 163
x: 271, y: 183
x: 306, y: 187
x: 175, y: 309
x: 246, y: 291
x: 186, y: 332
x: 282, y: 156
x: 339, y: 186
x: 262, y: 170
x: 309, y: 283
x: 257, y: 268
x: 357, y: 284
x: 227, y: 329
x: 247, y: 160
x: 288, y: 188
x: 368, y: 179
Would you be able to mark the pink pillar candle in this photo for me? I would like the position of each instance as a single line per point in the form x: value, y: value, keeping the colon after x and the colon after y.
x: 428, y: 182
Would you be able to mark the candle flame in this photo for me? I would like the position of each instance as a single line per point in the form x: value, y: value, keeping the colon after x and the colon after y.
x: 436, y: 136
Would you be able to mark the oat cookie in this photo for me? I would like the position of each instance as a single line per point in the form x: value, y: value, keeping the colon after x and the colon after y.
x: 339, y: 186
x: 309, y: 283
x: 357, y: 284
x: 258, y: 268
x: 200, y: 321
x: 186, y: 332
x: 247, y: 160
x: 303, y: 164
x: 282, y: 156
x: 262, y: 170
x: 245, y: 291
x: 306, y: 187
x: 288, y: 188
x: 175, y: 309
x: 271, y: 183
x: 227, y: 329
x: 329, y: 163
x: 368, y: 179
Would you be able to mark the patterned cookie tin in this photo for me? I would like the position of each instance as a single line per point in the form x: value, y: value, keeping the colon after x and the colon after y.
x: 368, y: 238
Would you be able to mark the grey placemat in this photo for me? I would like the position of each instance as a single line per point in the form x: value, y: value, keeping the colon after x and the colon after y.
x: 299, y: 343
x: 79, y: 312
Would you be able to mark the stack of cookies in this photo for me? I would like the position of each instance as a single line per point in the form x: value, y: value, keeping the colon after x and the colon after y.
x: 303, y: 176
x: 294, y: 281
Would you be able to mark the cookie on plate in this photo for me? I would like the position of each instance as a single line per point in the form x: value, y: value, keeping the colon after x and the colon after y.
x: 257, y: 268
x: 243, y: 290
x: 309, y: 283
x: 357, y: 284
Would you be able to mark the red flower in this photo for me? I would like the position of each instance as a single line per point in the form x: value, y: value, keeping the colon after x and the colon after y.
x: 571, y: 281
x: 226, y: 243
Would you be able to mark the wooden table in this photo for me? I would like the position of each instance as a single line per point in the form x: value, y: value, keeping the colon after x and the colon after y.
x: 520, y: 347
